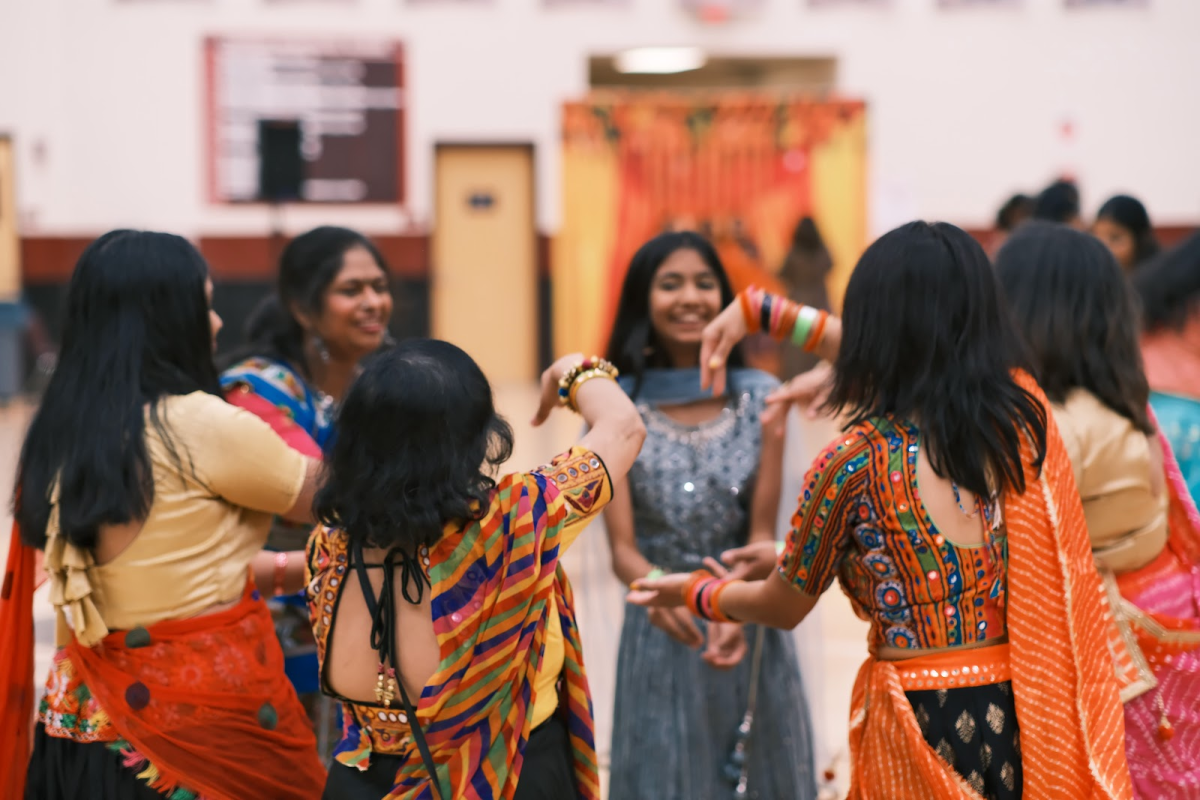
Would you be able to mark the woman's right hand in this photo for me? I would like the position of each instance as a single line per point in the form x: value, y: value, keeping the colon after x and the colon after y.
x: 548, y: 400
x: 720, y: 335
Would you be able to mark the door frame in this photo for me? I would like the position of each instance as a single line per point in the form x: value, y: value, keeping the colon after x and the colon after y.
x: 543, y: 352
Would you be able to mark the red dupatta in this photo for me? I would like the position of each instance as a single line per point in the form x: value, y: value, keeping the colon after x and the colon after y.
x: 16, y: 665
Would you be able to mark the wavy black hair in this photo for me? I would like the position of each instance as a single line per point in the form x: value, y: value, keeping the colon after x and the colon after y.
x: 925, y: 338
x: 1169, y: 286
x: 1130, y: 214
x: 136, y: 330
x: 1078, y: 316
x: 631, y: 346
x: 309, y: 264
x: 418, y: 444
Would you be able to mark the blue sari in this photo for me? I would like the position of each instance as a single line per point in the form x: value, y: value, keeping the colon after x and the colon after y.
x: 1179, y: 420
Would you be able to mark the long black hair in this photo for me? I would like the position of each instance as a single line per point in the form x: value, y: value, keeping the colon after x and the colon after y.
x: 1169, y: 286
x: 1130, y: 214
x: 1078, y: 316
x: 309, y: 264
x: 632, y: 347
x: 924, y: 338
x: 417, y: 446
x: 137, y: 329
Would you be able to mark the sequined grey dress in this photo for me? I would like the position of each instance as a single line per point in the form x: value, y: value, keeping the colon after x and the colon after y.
x: 676, y: 718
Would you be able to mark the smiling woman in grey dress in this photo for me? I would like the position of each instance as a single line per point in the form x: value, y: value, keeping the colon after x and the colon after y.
x: 707, y: 480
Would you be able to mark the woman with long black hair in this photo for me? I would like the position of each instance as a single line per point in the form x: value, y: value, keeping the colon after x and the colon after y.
x: 1079, y: 319
x: 707, y: 480
x: 151, y: 497
x: 948, y: 513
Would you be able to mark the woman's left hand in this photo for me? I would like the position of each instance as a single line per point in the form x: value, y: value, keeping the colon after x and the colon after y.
x: 549, y: 386
x: 664, y: 592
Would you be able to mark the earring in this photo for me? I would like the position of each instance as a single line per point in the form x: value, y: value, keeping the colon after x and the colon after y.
x: 322, y: 350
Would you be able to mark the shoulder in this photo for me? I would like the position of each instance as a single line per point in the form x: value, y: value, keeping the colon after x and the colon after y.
x: 261, y: 375
x: 848, y: 456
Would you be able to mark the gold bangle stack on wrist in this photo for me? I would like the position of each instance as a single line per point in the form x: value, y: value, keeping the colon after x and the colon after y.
x: 584, y: 371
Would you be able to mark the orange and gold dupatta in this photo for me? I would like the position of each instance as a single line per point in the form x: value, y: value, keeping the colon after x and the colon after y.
x: 1066, y: 693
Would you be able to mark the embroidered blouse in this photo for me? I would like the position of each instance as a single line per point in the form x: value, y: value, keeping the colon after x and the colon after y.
x: 861, y: 520
x: 496, y: 583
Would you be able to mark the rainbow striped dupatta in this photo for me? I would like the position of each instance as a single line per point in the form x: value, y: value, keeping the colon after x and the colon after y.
x: 491, y: 582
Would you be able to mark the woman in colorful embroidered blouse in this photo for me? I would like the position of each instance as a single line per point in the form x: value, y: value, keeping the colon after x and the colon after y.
x: 1170, y: 291
x: 423, y: 546
x: 168, y: 682
x: 330, y: 310
x: 707, y: 480
x: 1071, y: 301
x: 949, y: 514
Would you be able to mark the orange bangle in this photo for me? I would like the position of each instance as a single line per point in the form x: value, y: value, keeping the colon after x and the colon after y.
x: 818, y: 333
x: 748, y: 313
x: 787, y: 320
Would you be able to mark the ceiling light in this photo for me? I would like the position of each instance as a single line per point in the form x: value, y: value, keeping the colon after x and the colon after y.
x: 660, y: 60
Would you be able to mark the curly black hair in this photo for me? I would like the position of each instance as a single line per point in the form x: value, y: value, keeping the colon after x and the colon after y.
x: 417, y: 447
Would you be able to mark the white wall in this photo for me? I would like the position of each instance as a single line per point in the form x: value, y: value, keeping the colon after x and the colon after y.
x: 105, y: 97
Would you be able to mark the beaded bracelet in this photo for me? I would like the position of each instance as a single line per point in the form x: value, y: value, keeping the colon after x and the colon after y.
x: 581, y: 373
x: 702, y: 593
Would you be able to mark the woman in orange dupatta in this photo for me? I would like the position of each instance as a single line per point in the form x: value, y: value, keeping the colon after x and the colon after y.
x: 948, y: 512
x: 1071, y: 300
x: 151, y: 497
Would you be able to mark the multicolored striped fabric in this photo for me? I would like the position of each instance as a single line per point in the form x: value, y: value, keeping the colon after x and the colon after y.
x: 492, y: 581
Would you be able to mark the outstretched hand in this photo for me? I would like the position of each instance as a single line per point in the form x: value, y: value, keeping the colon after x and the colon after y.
x: 720, y: 335
x: 807, y: 391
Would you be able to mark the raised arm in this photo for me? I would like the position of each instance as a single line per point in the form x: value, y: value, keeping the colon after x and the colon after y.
x: 615, y: 430
x: 816, y: 331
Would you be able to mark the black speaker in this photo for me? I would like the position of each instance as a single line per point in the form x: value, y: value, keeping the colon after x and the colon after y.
x: 280, y: 163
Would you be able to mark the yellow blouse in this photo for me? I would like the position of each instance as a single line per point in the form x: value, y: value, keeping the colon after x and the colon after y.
x: 205, y: 525
x: 1112, y: 461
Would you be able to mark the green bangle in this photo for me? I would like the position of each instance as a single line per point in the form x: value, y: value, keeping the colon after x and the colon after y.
x: 804, y: 325
x: 653, y: 574
x: 780, y: 546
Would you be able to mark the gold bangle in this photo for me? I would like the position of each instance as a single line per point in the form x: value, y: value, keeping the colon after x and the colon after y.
x: 587, y: 369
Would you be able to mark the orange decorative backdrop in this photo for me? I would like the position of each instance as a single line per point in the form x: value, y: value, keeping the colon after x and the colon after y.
x: 743, y: 168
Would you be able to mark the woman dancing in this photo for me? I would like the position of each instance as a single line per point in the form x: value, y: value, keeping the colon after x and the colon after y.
x: 488, y: 696
x: 330, y: 310
x: 949, y: 514
x: 151, y: 497
x: 1079, y: 318
x: 707, y: 480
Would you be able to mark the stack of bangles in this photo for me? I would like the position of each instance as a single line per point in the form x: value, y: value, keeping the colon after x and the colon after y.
x: 584, y: 371
x: 702, y: 594
x: 782, y: 318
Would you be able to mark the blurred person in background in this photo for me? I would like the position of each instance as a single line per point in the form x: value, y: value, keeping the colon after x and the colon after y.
x: 330, y: 309
x: 1124, y: 226
x: 152, y: 497
x: 804, y: 273
x: 1059, y: 202
x: 444, y: 617
x: 1015, y: 210
x: 990, y: 673
x: 1079, y: 319
x: 1169, y: 287
x: 707, y: 480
